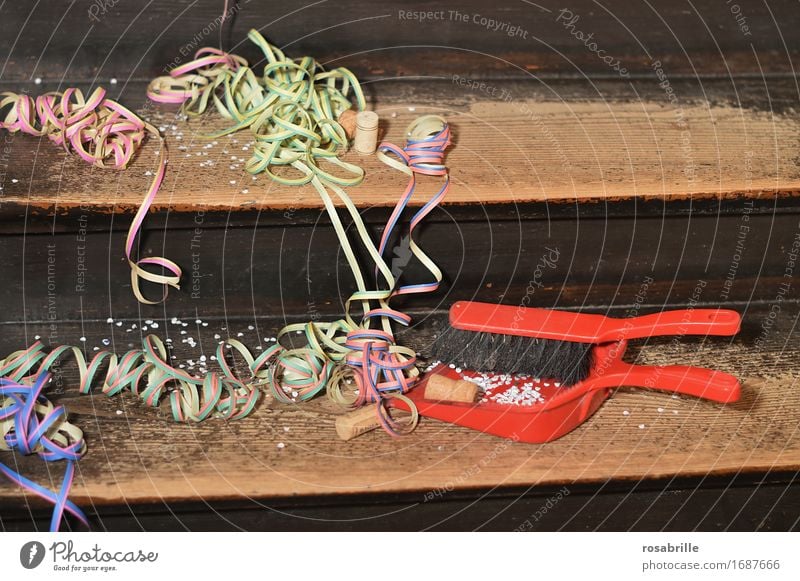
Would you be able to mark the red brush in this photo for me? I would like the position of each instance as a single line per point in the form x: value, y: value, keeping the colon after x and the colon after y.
x: 544, y: 409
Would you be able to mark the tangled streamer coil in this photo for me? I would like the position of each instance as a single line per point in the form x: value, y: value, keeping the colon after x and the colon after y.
x: 145, y: 373
x: 358, y: 362
x: 31, y: 424
x: 105, y: 134
x: 291, y: 110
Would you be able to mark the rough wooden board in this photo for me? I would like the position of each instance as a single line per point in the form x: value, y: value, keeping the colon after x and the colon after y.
x: 137, y: 456
x: 519, y: 150
x: 379, y: 37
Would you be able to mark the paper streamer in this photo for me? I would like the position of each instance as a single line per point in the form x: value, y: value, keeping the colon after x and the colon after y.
x: 31, y: 424
x: 291, y: 110
x: 105, y: 134
x: 145, y: 373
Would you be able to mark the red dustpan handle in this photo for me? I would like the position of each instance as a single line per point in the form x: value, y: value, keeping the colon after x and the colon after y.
x: 696, y: 381
x: 589, y: 328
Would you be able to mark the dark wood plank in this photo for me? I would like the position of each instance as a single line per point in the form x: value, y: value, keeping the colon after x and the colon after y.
x: 140, y: 38
x: 287, y: 269
x: 738, y: 503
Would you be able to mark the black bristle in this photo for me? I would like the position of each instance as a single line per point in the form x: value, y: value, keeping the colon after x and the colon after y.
x: 563, y: 361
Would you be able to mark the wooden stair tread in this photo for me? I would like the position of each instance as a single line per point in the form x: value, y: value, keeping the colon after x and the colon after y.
x: 533, y: 147
x: 137, y: 456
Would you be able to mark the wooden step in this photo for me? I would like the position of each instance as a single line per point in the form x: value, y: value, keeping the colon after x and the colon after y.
x: 138, y: 456
x: 515, y: 143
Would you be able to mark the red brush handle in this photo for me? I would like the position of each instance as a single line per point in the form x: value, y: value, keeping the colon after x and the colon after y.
x: 696, y: 381
x: 586, y: 328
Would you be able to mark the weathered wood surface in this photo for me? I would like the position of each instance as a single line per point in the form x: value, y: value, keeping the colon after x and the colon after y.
x: 514, y: 143
x: 137, y: 456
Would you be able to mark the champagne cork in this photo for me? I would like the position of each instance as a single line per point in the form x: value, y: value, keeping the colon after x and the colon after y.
x: 347, y: 119
x: 441, y: 388
x: 366, y: 141
x: 360, y: 421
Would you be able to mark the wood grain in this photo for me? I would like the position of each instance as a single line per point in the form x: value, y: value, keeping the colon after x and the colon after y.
x: 509, y: 150
x: 138, y: 38
x: 137, y: 456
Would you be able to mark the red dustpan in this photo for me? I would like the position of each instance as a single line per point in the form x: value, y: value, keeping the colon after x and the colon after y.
x: 556, y: 410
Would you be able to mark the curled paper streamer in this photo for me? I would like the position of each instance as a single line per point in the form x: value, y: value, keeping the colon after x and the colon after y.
x: 145, y: 373
x: 292, y: 110
x: 105, y: 134
x: 31, y: 424
x: 352, y: 351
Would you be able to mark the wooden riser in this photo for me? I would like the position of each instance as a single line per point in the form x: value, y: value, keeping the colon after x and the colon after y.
x: 288, y: 271
x: 373, y: 38
x: 673, y: 504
